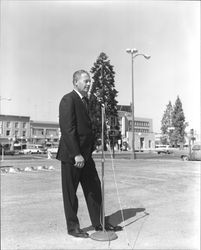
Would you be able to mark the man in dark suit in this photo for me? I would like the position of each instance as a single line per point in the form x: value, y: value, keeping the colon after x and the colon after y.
x: 75, y: 153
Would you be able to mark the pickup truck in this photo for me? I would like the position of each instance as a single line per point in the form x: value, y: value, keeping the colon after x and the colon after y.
x: 6, y: 151
x: 194, y: 154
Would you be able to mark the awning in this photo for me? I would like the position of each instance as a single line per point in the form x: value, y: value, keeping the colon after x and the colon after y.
x: 4, y: 141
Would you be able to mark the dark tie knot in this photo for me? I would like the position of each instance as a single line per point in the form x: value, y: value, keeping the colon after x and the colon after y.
x: 85, y: 99
x: 86, y: 102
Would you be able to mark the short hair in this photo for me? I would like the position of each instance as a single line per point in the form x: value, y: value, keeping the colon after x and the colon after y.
x: 77, y: 75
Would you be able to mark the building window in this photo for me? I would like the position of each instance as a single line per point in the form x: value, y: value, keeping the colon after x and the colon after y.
x: 8, y: 124
x: 52, y: 132
x: 16, y: 133
x: 7, y: 132
x: 24, y: 124
x: 23, y: 133
x: 16, y: 124
x: 149, y: 143
x: 38, y: 132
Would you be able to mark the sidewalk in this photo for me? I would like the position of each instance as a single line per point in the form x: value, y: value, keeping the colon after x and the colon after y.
x: 159, y: 201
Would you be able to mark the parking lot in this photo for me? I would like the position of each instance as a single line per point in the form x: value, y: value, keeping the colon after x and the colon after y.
x: 157, y: 201
x: 149, y: 154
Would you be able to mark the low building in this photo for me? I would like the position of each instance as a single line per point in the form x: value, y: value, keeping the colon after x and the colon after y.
x: 143, y: 129
x: 20, y: 130
x: 14, y: 128
x: 47, y: 133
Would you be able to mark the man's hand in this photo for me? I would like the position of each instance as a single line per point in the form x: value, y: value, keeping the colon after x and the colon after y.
x: 79, y: 161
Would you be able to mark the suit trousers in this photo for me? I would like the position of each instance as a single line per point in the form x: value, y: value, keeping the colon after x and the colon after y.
x: 91, y: 185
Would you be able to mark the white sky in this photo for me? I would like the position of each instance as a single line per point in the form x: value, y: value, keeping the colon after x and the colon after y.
x: 44, y: 42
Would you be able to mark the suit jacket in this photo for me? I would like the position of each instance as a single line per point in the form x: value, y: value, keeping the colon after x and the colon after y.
x: 76, y: 129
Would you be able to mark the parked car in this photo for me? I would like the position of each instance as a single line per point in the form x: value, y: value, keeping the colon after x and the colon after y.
x: 7, y: 151
x: 31, y: 151
x: 163, y: 149
x: 194, y: 154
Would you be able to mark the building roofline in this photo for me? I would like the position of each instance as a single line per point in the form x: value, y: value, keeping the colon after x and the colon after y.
x: 14, y: 117
x: 44, y: 122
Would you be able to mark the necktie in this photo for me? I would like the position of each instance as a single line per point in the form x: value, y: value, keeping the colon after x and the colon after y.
x: 85, y: 101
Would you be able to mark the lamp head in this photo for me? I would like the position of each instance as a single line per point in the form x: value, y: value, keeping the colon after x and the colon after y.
x: 131, y: 51
x: 147, y: 57
x: 134, y: 51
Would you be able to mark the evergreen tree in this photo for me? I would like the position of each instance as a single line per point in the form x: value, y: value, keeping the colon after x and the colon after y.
x: 179, y: 124
x: 103, y: 87
x: 166, y: 124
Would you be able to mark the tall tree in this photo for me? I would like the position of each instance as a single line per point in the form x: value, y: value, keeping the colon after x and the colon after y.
x: 166, y: 124
x: 103, y: 87
x: 179, y: 124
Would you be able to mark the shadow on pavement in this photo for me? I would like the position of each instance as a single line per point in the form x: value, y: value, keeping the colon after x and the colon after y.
x: 120, y: 216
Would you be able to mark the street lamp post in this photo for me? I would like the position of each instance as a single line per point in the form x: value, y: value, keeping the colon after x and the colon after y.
x: 21, y: 141
x: 9, y: 139
x: 134, y: 53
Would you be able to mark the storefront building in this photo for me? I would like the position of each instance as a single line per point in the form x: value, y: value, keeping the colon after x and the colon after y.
x: 13, y: 129
x: 21, y: 131
x: 143, y: 129
x: 47, y: 133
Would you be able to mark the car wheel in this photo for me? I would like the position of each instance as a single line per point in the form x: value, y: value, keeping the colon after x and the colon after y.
x: 185, y: 158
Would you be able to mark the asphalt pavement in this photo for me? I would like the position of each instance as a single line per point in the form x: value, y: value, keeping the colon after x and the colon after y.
x: 157, y: 201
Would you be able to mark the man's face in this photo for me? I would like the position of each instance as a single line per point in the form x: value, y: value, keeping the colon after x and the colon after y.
x: 83, y: 84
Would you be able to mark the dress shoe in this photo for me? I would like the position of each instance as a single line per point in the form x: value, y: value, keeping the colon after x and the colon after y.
x: 78, y: 233
x: 108, y: 227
